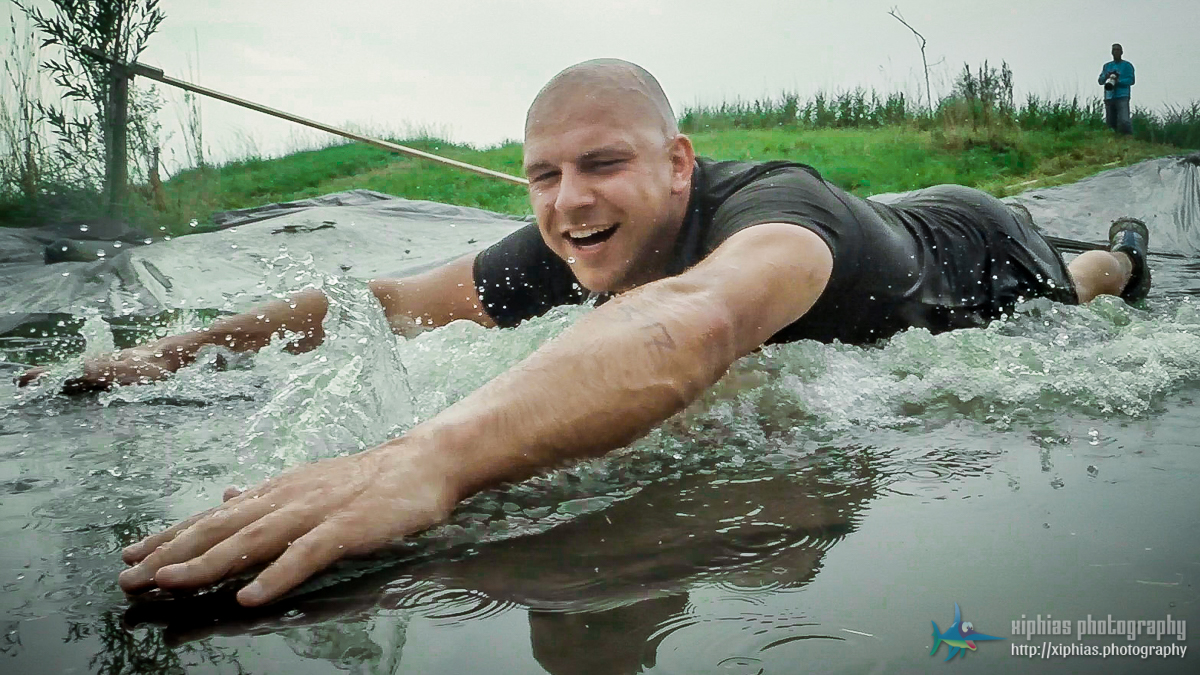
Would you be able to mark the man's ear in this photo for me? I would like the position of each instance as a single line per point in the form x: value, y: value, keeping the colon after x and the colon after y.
x: 683, y: 159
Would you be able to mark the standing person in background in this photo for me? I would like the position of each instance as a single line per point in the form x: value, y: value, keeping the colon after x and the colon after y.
x: 1117, y: 78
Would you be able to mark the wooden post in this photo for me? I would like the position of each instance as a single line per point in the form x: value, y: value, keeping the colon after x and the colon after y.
x: 116, y: 148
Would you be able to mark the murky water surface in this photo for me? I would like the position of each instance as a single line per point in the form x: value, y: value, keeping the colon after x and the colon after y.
x: 814, y: 513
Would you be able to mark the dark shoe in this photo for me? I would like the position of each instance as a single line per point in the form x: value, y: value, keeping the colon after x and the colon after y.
x: 1130, y: 236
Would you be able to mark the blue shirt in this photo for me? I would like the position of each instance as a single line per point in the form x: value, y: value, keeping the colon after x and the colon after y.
x: 1124, y: 71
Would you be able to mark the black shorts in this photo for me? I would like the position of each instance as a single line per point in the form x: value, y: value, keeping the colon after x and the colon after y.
x: 1034, y: 267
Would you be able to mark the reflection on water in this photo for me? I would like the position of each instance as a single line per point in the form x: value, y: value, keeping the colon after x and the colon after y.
x: 611, y: 584
x: 819, y: 506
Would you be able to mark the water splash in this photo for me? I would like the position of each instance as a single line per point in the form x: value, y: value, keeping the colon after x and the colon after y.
x: 776, y: 409
x: 97, y: 335
x: 349, y: 394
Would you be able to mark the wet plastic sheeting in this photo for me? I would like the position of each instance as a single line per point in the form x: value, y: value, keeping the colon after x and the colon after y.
x: 360, y: 233
x: 1165, y: 193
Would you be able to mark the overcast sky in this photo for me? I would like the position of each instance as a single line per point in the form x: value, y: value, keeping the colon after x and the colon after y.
x: 468, y: 68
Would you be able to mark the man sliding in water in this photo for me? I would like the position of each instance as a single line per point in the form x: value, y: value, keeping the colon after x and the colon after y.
x: 703, y: 261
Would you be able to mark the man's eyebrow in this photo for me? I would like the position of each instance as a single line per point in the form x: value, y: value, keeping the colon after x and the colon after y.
x: 537, y: 167
x: 606, y: 151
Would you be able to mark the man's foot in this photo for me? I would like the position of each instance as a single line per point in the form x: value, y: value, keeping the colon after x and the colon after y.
x: 1130, y: 236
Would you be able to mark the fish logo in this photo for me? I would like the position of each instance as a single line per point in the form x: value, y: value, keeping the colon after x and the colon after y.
x: 959, y: 637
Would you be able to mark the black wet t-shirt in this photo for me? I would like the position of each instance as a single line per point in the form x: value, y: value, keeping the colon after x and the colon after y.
x: 941, y: 258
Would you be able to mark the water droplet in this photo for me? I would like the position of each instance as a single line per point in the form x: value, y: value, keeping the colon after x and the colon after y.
x: 100, y: 253
x: 192, y: 222
x: 571, y: 260
x: 83, y: 228
x: 116, y: 244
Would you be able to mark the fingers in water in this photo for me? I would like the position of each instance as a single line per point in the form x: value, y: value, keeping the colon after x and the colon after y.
x: 311, y: 553
x: 26, y: 378
x: 82, y: 385
x: 256, y: 543
x: 188, y: 540
x: 135, y: 553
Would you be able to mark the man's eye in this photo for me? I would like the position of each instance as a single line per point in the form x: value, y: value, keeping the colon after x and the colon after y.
x: 544, y: 177
x: 607, y: 163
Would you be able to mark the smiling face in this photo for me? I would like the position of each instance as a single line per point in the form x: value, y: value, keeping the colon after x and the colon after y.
x: 609, y: 177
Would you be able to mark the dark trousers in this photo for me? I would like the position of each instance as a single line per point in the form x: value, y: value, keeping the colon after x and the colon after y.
x: 1116, y: 115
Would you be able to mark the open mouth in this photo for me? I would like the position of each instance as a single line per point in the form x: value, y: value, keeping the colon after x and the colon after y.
x: 590, y: 236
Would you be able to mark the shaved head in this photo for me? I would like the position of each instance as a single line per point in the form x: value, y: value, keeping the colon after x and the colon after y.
x: 609, y: 173
x: 628, y: 89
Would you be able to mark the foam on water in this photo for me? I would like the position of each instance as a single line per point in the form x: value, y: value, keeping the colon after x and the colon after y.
x: 364, y: 385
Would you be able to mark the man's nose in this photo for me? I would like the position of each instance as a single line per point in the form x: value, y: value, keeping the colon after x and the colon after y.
x: 574, y: 192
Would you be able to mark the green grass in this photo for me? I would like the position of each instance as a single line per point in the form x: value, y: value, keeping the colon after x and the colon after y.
x: 895, y: 159
x: 198, y: 193
x: 865, y: 161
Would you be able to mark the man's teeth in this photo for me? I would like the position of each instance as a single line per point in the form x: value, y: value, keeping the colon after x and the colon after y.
x: 589, y: 231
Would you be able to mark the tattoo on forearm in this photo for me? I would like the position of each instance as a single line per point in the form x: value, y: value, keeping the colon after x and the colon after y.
x: 661, y: 338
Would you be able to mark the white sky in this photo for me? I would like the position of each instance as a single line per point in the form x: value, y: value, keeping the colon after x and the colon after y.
x: 468, y: 68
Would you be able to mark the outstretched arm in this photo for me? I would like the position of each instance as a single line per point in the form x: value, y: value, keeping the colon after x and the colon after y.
x: 416, y: 303
x: 603, y: 382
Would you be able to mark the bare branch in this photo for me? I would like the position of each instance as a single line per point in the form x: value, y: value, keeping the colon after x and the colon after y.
x: 895, y: 14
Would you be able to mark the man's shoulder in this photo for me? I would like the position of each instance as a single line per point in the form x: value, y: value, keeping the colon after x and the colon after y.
x: 721, y: 178
x: 736, y: 166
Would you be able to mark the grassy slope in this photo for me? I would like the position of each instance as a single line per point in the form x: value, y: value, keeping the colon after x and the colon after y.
x: 865, y: 161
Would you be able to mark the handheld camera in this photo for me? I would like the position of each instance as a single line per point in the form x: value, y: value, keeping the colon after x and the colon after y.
x: 1110, y: 82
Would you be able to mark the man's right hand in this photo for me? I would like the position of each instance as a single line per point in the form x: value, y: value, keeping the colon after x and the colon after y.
x: 135, y: 365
